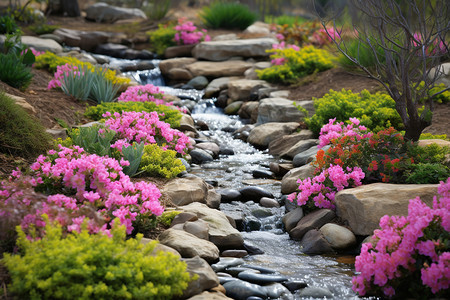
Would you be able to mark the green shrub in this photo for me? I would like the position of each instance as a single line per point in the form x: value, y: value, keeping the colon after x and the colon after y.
x: 375, y: 111
x: 160, y: 163
x: 20, y: 133
x: 427, y: 173
x: 43, y: 28
x: 363, y: 53
x: 228, y: 15
x: 441, y: 98
x: 103, y: 90
x: 157, y: 9
x: 295, y: 64
x: 166, y: 114
x: 167, y: 217
x: 285, y: 20
x: 83, y: 266
x: 14, y: 72
x: 8, y: 25
x: 430, y: 154
x: 162, y: 38
x: 133, y: 154
x: 429, y: 136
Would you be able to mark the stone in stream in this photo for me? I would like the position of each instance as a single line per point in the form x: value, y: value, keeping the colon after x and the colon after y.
x: 261, y: 212
x: 339, y: 237
x: 223, y: 279
x: 299, y: 147
x: 254, y: 298
x: 252, y: 223
x: 284, y: 142
x: 291, y: 219
x: 289, y: 181
x: 213, y: 147
x: 235, y: 271
x: 254, y: 193
x: 263, y: 270
x: 305, y: 157
x: 226, y: 151
x: 207, y: 279
x: 233, y: 108
x: 261, y: 278
x: 313, y: 242
x: 198, y: 82
x: 252, y: 249
x: 234, y: 253
x: 315, y: 292
x: 226, y: 262
x: 313, y: 220
x: 241, y: 290
x: 229, y: 195
x: 268, y: 202
x: 294, y: 285
x: 262, y: 135
x: 264, y: 174
x: 276, y: 290
x: 200, y: 156
x: 278, y: 110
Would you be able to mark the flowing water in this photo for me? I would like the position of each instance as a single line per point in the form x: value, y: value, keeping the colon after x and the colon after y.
x: 235, y: 171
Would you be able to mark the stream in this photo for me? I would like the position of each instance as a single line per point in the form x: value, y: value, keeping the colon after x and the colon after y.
x: 235, y: 171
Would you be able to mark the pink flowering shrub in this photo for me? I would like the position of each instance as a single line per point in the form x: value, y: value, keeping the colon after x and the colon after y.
x: 61, y: 71
x: 409, y: 256
x: 145, y: 127
x: 89, y: 179
x: 143, y: 93
x: 431, y: 47
x: 323, y: 37
x: 188, y: 34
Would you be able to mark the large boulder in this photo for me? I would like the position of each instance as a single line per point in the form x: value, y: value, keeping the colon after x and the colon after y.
x: 262, y: 135
x: 338, y: 236
x: 102, y: 12
x: 178, y: 63
x: 221, y: 233
x: 289, y: 181
x: 285, y: 142
x: 363, y: 206
x: 42, y: 44
x: 218, y: 69
x: 183, y: 191
x: 313, y: 242
x: 299, y: 147
x: 240, y: 89
x: 216, y: 85
x: 86, y: 40
x: 314, y: 220
x: 223, y: 50
x: 207, y: 278
x: 278, y: 110
x: 188, y: 245
x: 444, y: 74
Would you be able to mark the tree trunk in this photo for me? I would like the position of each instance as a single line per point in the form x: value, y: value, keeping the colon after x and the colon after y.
x: 70, y: 8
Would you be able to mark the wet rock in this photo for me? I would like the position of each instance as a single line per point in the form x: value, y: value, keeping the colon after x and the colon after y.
x: 198, y: 82
x: 294, y: 285
x: 276, y: 290
x: 198, y: 228
x: 264, y: 174
x: 247, y: 109
x: 278, y: 110
x: 213, y: 147
x: 262, y: 270
x: 226, y: 151
x: 315, y: 292
x: 221, y: 233
x: 268, y: 202
x: 251, y: 223
x: 261, y: 212
x: 189, y: 245
x: 226, y: 262
x: 213, y: 199
x: 299, y: 147
x: 254, y: 193
x: 167, y: 64
x: 212, y: 69
x: 183, y: 217
x: 185, y: 164
x: 178, y: 51
x: 223, y: 50
x: 233, y: 108
x: 261, y: 279
x: 252, y: 249
x: 363, y: 206
x: 254, y: 298
x: 224, y: 280
x: 285, y: 142
x: 339, y: 237
x: 262, y: 135
x: 216, y: 85
x: 313, y: 242
x: 291, y: 219
x: 200, y: 156
x: 235, y: 271
x: 240, y: 89
x: 229, y: 195
x: 313, y: 220
x: 102, y: 12
x: 241, y: 290
x: 234, y: 253
x: 221, y: 101
x: 210, y: 296
x: 305, y: 157
x: 207, y: 279
x: 183, y: 191
x: 289, y: 181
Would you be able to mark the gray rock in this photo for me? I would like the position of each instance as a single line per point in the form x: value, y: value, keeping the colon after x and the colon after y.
x: 218, y: 69
x: 339, y: 237
x: 251, y: 223
x: 86, y: 40
x: 234, y: 253
x: 315, y: 292
x: 242, y: 290
x: 261, y: 270
x: 268, y: 202
x: 299, y: 147
x: 285, y: 142
x: 291, y: 219
x: 258, y: 28
x: 198, y: 228
x: 213, y: 147
x: 198, y: 82
x: 294, y: 285
x: 248, y: 109
x: 226, y: 262
x: 223, y: 50
x: 207, y: 279
x: 188, y: 245
x: 102, y: 12
x: 183, y: 191
x: 210, y: 296
x: 229, y: 195
x: 261, y: 279
x: 240, y: 89
x: 200, y: 156
x: 278, y: 110
x: 213, y: 199
x: 264, y: 174
x: 235, y: 271
x: 313, y: 242
x: 254, y: 193
x: 313, y: 220
x: 305, y: 157
x: 183, y: 217
x: 168, y: 64
x: 233, y: 108
x: 276, y: 290
x: 40, y: 44
x: 216, y: 85
x: 362, y: 207
x: 178, y: 51
x: 262, y: 135
x: 289, y: 181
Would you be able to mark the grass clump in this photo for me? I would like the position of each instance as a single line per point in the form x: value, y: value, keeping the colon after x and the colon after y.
x: 84, y: 266
x: 228, y: 15
x: 14, y: 72
x: 20, y: 134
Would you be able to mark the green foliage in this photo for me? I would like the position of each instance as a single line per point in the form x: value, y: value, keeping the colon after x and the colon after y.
x: 285, y: 20
x: 167, y: 217
x: 298, y: 33
x: 133, y: 154
x: 8, y: 25
x: 162, y: 38
x: 83, y: 266
x: 92, y: 140
x: 166, y: 114
x: 363, y: 53
x: 433, y: 154
x: 20, y: 133
x: 228, y: 15
x: 429, y: 136
x: 157, y: 9
x: 103, y: 90
x: 14, y: 72
x: 440, y: 98
x: 427, y: 173
x: 375, y: 111
x: 43, y: 28
x: 306, y: 61
x: 160, y: 163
